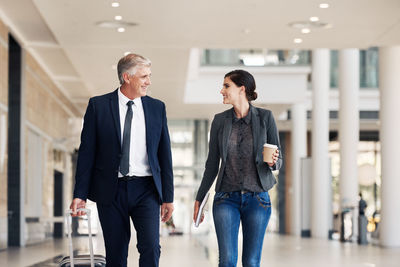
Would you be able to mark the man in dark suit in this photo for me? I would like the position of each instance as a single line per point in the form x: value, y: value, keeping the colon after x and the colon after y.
x: 125, y: 165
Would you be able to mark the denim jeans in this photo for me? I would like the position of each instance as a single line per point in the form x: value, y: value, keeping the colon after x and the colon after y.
x: 254, y: 211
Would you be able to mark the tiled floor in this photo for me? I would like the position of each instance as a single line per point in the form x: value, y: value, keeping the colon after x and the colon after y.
x: 187, y: 251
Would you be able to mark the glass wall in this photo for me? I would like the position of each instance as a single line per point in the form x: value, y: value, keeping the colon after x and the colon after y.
x: 266, y: 57
x: 189, y: 144
x: 369, y: 180
x: 368, y: 68
x: 254, y: 57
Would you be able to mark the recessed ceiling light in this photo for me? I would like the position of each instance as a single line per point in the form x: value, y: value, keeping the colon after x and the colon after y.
x: 314, y: 19
x: 115, y: 4
x: 323, y: 5
x: 309, y: 25
x: 246, y: 31
x: 305, y: 30
x: 118, y: 17
x: 121, y: 29
x: 297, y: 40
x: 115, y: 24
x: 127, y: 53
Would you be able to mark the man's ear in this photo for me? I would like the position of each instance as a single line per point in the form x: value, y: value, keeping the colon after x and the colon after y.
x: 125, y: 76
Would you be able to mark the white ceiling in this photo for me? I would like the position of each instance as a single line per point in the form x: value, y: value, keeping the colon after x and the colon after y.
x: 78, y: 55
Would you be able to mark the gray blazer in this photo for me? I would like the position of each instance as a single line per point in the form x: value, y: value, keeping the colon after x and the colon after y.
x: 264, y: 131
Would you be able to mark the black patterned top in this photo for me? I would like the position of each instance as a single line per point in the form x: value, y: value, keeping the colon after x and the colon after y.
x: 240, y: 171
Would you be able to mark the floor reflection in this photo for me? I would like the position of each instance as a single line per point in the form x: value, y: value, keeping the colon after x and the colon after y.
x: 199, y: 249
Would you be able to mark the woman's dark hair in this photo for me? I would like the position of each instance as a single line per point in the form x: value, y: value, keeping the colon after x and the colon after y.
x: 244, y: 78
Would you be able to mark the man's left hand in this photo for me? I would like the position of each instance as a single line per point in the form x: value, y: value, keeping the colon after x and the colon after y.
x: 166, y: 211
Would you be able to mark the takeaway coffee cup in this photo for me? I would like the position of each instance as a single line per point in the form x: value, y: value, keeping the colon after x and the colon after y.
x: 269, y: 150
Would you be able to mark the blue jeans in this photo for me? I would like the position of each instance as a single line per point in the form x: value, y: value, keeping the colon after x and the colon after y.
x: 254, y: 210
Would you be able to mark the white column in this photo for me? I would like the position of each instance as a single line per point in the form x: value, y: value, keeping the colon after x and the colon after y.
x: 299, y: 150
x: 321, y: 197
x: 389, y: 85
x: 349, y: 80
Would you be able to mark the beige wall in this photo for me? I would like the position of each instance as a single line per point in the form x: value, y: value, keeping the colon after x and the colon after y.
x: 3, y: 112
x: 3, y: 64
x: 46, y: 107
x: 47, y: 113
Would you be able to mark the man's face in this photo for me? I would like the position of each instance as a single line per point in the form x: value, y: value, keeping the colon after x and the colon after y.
x: 140, y: 81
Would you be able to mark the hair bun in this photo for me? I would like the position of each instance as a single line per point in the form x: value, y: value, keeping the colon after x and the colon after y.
x: 254, y: 96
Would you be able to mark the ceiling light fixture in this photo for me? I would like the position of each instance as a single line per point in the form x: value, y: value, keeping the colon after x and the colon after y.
x: 323, y: 5
x: 115, y: 4
x: 127, y: 53
x: 314, y: 19
x: 302, y: 25
x: 121, y: 29
x: 113, y: 24
x: 246, y: 30
x: 118, y: 17
x: 305, y: 30
x: 297, y: 40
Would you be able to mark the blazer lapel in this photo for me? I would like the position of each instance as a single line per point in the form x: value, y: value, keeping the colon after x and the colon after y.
x: 226, y: 134
x: 255, y: 126
x: 146, y: 118
x: 115, y: 113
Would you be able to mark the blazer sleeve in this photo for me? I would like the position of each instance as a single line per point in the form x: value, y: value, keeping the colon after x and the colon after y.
x: 212, y: 163
x: 86, y: 154
x: 273, y: 138
x: 165, y: 160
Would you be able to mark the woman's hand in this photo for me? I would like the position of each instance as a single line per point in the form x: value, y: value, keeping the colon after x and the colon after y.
x: 196, y: 211
x: 275, y: 157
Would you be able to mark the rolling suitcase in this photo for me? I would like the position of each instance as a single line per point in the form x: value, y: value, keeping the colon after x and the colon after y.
x: 81, y: 260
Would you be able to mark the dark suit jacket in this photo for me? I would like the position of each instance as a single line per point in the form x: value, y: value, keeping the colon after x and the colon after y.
x: 264, y: 131
x: 100, y: 149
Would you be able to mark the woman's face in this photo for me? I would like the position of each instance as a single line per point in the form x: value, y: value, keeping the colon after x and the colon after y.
x: 231, y: 92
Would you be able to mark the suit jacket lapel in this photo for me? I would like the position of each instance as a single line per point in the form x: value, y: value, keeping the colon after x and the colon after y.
x: 226, y: 134
x: 115, y: 113
x: 146, y: 112
x: 255, y: 126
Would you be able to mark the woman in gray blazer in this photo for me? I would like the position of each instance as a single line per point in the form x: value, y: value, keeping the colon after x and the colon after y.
x: 236, y: 155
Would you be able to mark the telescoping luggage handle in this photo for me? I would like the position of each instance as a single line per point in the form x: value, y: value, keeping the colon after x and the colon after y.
x: 68, y: 219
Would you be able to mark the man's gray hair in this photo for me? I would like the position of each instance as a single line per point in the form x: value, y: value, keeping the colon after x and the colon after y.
x: 130, y: 63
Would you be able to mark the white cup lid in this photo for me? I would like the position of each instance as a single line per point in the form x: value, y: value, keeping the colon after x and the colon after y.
x: 270, y: 146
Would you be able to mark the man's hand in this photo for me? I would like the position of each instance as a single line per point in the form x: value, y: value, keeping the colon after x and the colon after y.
x: 166, y: 211
x: 77, y: 203
x: 196, y: 211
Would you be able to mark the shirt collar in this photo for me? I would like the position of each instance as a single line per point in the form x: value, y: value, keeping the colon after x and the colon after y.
x: 123, y: 99
x: 246, y: 119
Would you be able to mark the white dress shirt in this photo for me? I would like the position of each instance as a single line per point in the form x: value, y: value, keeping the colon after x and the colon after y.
x: 138, y: 158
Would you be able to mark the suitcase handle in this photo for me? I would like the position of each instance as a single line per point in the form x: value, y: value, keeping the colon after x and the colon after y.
x: 68, y: 218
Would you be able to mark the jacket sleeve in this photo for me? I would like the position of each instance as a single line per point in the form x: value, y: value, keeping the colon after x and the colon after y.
x: 273, y: 138
x: 212, y: 163
x: 165, y: 160
x: 86, y: 154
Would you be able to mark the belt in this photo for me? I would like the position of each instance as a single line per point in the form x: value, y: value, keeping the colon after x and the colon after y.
x: 133, y: 177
